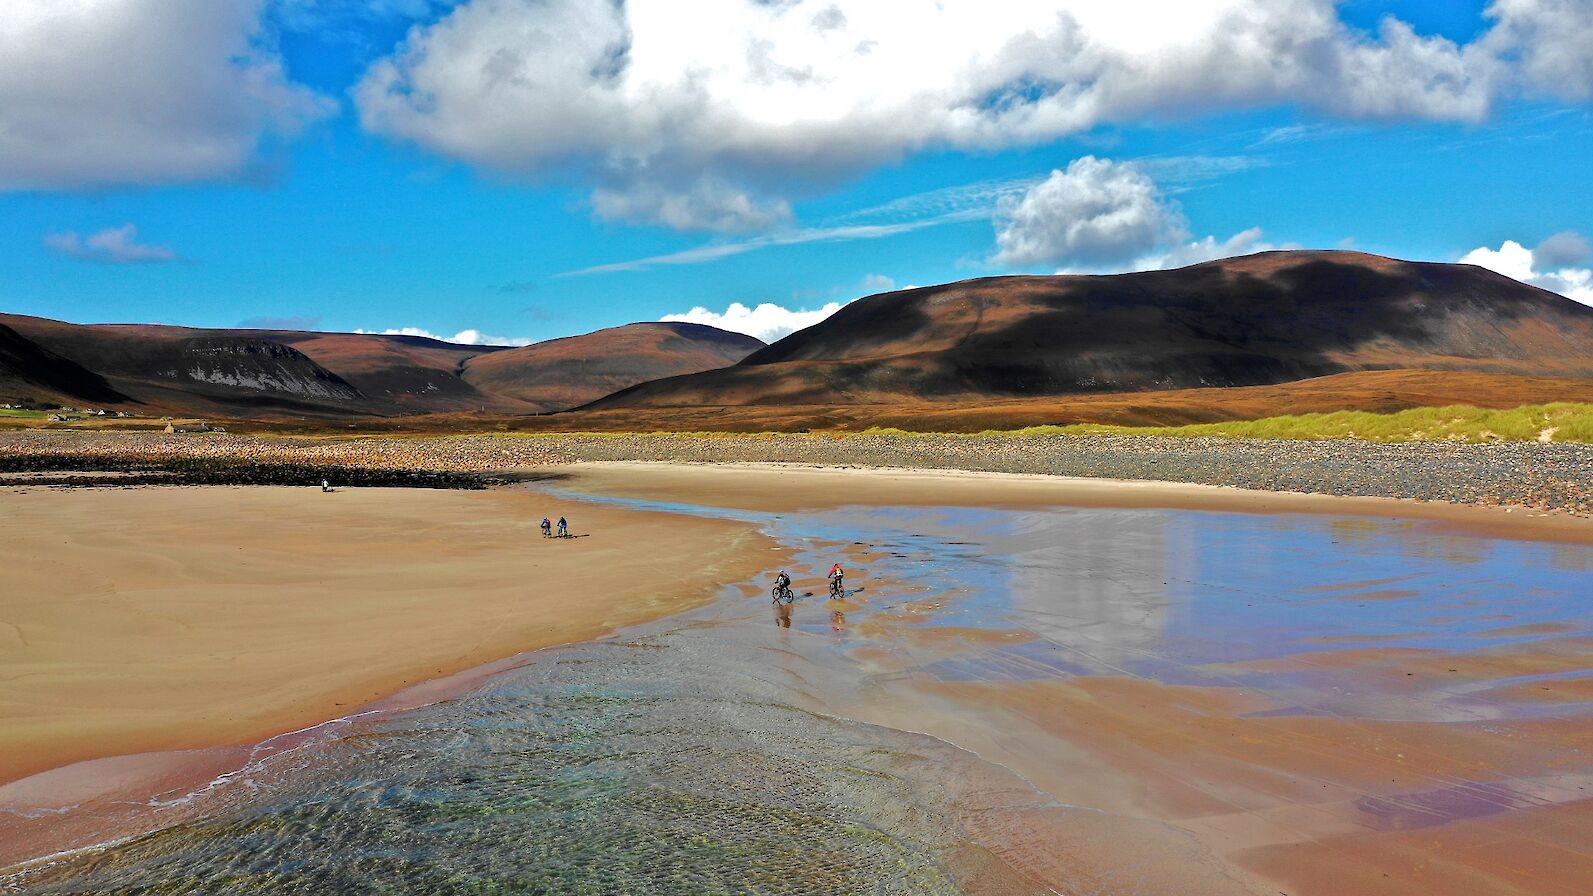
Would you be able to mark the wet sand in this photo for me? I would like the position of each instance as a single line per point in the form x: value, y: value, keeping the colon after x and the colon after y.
x: 158, y: 619
x: 1393, y: 702
x: 777, y: 487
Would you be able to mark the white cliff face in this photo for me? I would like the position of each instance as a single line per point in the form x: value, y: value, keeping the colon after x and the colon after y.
x: 287, y: 381
x: 261, y: 366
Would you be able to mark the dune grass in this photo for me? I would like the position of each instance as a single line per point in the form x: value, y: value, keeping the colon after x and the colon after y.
x: 1557, y: 422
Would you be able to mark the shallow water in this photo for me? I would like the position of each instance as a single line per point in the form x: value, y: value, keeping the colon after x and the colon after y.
x: 619, y: 767
x: 712, y: 753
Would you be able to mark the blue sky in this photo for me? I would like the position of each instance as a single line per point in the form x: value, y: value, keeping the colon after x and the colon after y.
x: 526, y: 169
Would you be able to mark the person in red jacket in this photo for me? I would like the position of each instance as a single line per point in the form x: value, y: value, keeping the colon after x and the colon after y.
x: 837, y: 581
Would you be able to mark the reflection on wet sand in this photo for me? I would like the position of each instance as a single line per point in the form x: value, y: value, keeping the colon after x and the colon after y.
x: 1071, y: 700
x: 1274, y: 687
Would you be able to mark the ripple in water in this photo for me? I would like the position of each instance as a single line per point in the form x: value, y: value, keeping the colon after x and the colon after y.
x: 656, y: 765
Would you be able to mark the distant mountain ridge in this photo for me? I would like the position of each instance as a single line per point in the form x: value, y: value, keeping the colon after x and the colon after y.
x: 1258, y: 320
x: 275, y: 373
x: 563, y: 373
x: 1262, y: 319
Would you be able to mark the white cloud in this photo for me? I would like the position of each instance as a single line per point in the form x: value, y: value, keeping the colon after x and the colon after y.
x: 1575, y: 284
x: 97, y: 93
x: 966, y: 203
x: 766, y: 100
x: 707, y: 205
x: 1563, y: 248
x: 962, y: 202
x: 463, y: 337
x: 1511, y: 259
x: 830, y: 234
x: 875, y: 283
x: 771, y: 322
x: 1550, y: 40
x: 1297, y: 133
x: 1184, y: 172
x: 1095, y: 211
x: 767, y: 321
x: 1531, y: 265
x: 1245, y: 242
x: 1100, y: 217
x: 113, y: 245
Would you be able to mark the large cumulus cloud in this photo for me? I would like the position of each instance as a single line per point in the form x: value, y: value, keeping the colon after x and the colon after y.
x: 97, y: 93
x: 766, y: 321
x: 713, y: 115
x: 1095, y: 211
x: 761, y: 99
x: 1098, y: 215
x: 1549, y: 42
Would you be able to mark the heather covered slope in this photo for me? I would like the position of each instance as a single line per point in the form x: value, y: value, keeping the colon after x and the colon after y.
x: 1378, y: 391
x: 279, y: 373
x: 199, y: 371
x: 563, y: 373
x: 400, y: 374
x: 33, y: 373
x: 1270, y: 318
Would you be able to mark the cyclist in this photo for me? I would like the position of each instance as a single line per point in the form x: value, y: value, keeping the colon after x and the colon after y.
x: 782, y: 588
x: 837, y: 581
x: 564, y: 528
x: 547, y: 528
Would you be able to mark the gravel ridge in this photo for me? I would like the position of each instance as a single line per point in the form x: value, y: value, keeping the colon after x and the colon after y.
x: 1557, y: 477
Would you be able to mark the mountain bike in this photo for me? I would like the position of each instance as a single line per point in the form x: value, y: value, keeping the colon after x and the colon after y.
x: 783, y: 594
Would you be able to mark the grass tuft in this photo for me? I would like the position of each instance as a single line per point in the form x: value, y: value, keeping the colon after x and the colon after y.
x: 1556, y: 422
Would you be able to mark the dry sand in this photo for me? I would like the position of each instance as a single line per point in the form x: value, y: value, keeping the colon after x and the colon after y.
x: 161, y: 618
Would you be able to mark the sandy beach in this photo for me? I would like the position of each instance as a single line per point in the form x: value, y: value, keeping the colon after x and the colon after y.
x: 1132, y: 686
x: 1082, y: 449
x: 154, y: 619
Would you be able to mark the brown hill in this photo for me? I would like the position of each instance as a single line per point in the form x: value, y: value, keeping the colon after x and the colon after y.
x: 192, y: 370
x: 563, y: 373
x: 28, y: 372
x: 278, y: 373
x: 1262, y: 319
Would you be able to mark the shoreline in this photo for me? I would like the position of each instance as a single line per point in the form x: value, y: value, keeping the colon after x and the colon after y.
x: 162, y: 589
x: 183, y: 779
x: 1555, y: 477
x: 756, y: 486
x: 194, y: 625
